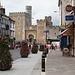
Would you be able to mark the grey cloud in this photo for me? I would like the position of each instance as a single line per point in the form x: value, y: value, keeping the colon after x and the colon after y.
x: 40, y: 8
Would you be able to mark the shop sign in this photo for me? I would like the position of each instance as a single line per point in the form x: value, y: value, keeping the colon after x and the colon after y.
x: 68, y: 8
x: 69, y: 18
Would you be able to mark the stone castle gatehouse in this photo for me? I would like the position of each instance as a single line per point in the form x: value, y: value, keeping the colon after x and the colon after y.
x: 25, y: 30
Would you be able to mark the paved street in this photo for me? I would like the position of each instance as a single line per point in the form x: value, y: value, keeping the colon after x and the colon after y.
x: 15, y: 53
x: 24, y: 66
x: 56, y: 64
x: 59, y: 65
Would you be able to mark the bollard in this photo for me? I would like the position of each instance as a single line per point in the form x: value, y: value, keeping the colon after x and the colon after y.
x: 47, y: 50
x: 43, y: 63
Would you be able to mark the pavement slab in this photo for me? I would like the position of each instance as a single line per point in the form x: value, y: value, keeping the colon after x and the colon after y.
x: 59, y: 65
x: 23, y: 66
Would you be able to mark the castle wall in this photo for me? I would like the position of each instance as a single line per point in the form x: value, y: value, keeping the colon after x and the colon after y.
x: 23, y: 27
x: 31, y: 27
x: 21, y: 19
x: 29, y: 12
x: 53, y: 32
x: 27, y: 20
x: 33, y: 32
x: 19, y: 24
x: 42, y: 26
x: 40, y: 30
x: 48, y: 21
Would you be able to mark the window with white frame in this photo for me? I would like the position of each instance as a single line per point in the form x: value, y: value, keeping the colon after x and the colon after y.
x: 11, y: 33
x: 8, y: 22
x: 3, y: 20
x: 11, y: 24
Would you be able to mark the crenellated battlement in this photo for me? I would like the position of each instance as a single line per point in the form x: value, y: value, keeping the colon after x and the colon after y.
x: 55, y: 27
x: 48, y: 17
x: 16, y: 13
x: 41, y: 20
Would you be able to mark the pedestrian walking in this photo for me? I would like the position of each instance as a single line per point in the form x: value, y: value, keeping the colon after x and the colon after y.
x: 29, y: 46
x: 52, y: 47
x: 45, y: 45
x: 56, y: 46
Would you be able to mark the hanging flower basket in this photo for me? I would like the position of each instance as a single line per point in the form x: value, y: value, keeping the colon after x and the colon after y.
x: 24, y: 51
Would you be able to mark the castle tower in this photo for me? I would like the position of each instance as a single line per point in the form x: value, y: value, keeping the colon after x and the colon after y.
x: 41, y: 26
x: 29, y: 12
x: 48, y: 21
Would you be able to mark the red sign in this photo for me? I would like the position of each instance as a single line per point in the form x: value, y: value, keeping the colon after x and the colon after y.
x: 68, y: 8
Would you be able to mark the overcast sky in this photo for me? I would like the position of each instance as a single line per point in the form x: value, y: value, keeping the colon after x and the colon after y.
x: 40, y: 8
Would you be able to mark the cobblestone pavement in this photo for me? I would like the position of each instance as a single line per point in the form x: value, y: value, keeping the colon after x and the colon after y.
x: 59, y: 65
x: 24, y: 66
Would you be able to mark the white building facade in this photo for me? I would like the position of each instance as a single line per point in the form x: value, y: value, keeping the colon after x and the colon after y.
x: 62, y: 10
x: 62, y: 13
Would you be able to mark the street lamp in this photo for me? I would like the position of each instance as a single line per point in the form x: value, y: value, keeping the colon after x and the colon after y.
x: 47, y: 31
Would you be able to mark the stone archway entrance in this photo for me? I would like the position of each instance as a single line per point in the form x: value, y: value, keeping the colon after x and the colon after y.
x: 31, y: 38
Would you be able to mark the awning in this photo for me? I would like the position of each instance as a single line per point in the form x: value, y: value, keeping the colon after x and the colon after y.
x: 67, y: 32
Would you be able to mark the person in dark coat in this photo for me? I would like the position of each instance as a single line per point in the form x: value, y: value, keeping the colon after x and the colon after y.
x: 52, y: 47
x: 29, y: 46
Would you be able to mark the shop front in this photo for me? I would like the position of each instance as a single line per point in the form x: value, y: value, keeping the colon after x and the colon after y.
x: 67, y: 39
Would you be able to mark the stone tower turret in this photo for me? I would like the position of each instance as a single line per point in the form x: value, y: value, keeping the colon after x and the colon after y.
x: 41, y: 25
x: 48, y: 21
x: 29, y: 12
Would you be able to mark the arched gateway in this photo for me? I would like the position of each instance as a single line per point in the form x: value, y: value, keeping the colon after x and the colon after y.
x: 31, y: 38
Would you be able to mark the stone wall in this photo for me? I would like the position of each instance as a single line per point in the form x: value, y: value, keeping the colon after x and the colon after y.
x: 40, y: 30
x: 48, y: 21
x: 31, y: 32
x: 19, y: 24
x: 53, y: 32
x: 32, y: 27
x: 27, y: 20
x: 42, y: 26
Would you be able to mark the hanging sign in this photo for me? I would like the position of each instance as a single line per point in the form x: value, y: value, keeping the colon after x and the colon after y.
x: 68, y: 8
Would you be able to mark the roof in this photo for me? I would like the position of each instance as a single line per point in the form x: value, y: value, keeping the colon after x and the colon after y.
x: 7, y: 17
